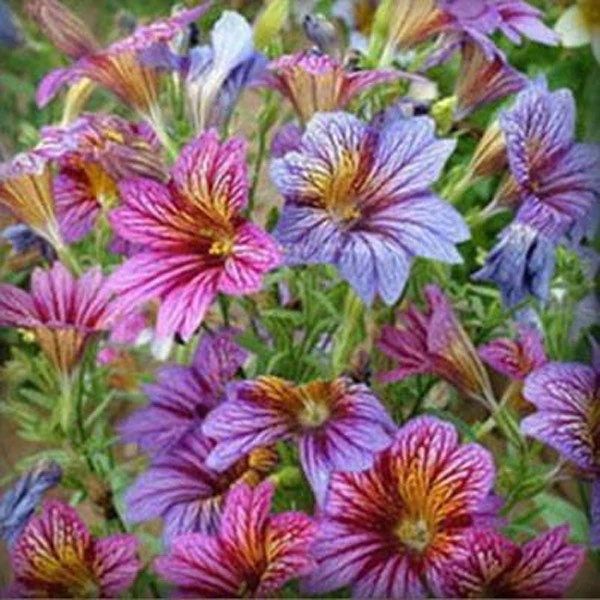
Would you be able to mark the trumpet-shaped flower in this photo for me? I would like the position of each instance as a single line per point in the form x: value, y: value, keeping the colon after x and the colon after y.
x: 196, y: 243
x: 492, y: 566
x: 338, y: 425
x: 94, y: 153
x: 64, y: 313
x: 253, y: 554
x: 315, y: 82
x: 433, y: 341
x: 358, y: 197
x: 56, y: 557
x: 387, y: 531
x: 182, y: 396
x: 580, y: 25
x: 20, y: 502
x: 516, y: 358
x: 184, y: 492
x: 26, y: 191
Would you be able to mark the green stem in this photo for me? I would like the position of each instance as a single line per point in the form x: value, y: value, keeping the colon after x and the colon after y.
x: 68, y: 258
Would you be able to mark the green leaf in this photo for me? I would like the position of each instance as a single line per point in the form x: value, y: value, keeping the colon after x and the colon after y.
x: 557, y: 511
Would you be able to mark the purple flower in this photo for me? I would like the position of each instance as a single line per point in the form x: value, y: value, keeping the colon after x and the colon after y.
x: 182, y: 396
x: 359, y: 198
x: 23, y: 238
x: 286, y: 139
x: 490, y: 565
x: 184, y: 492
x: 568, y: 416
x: 253, y: 554
x: 516, y: 358
x: 20, y: 502
x: 521, y: 264
x: 339, y: 425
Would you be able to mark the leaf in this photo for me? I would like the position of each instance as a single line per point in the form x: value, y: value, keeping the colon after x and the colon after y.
x: 557, y: 511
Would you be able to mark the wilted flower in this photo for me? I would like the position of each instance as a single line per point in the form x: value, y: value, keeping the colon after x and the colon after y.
x: 11, y: 34
x: 253, y: 555
x: 181, y: 489
x: 64, y: 313
x: 26, y: 191
x: 315, y: 82
x: 182, y: 396
x: 387, y: 531
x: 23, y: 239
x: 56, y: 557
x: 359, y: 198
x: 520, y: 264
x: 433, y: 341
x: 338, y: 425
x: 94, y: 153
x: 489, y: 157
x: 196, y: 243
x: 21, y: 500
x: 516, y: 358
x: 580, y: 25
x: 483, y: 79
x: 322, y: 33
x: 490, y: 565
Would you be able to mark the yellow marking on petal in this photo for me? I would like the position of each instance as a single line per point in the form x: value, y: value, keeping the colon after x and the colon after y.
x: 414, y: 534
x: 102, y: 185
x: 339, y: 193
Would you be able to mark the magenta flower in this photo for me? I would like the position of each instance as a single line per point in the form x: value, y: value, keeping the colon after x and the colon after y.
x: 315, y: 82
x: 434, y: 342
x: 253, y: 555
x: 182, y: 396
x: 64, y: 313
x: 492, y: 566
x: 196, y: 243
x: 56, y: 557
x: 386, y: 532
x: 339, y: 425
x: 359, y: 198
x: 184, y: 492
x: 516, y: 358
x: 93, y: 154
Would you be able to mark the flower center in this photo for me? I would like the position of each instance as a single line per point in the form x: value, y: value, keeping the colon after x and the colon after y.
x: 590, y: 9
x: 414, y: 534
x: 102, y: 184
x: 221, y: 247
x: 313, y: 414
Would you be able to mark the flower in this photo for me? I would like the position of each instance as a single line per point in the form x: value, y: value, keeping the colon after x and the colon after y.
x: 64, y: 313
x: 188, y: 495
x: 521, y: 264
x: 434, y: 341
x: 217, y: 73
x: 580, y: 25
x: 567, y: 398
x: 63, y: 28
x: 315, y: 82
x: 338, y: 425
x: 554, y: 181
x: 57, y: 557
x: 119, y: 66
x: 94, y: 153
x: 26, y: 191
x: 489, y: 157
x: 387, y: 531
x: 196, y: 243
x: 23, y: 239
x: 286, y: 139
x: 182, y: 396
x: 491, y: 565
x: 359, y: 198
x: 483, y: 79
x: 253, y: 554
x: 20, y: 502
x: 516, y: 358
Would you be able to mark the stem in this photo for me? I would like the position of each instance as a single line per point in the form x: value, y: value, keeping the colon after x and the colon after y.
x: 262, y: 138
x: 68, y: 258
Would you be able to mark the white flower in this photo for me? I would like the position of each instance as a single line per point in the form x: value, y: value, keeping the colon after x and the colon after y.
x: 580, y: 25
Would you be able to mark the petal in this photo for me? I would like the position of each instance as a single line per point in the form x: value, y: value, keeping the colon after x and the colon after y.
x: 572, y: 28
x: 116, y: 563
x: 16, y: 307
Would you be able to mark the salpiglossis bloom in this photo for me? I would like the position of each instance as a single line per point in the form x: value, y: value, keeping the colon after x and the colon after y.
x: 433, y: 341
x: 492, y: 566
x: 64, y: 313
x: 359, y: 198
x: 56, y: 557
x: 386, y: 532
x: 195, y: 241
x: 182, y: 396
x: 338, y: 425
x: 181, y: 489
x: 93, y: 153
x: 253, y: 554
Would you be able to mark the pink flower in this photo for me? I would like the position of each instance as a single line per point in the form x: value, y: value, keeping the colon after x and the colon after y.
x: 56, y: 557
x: 195, y: 241
x: 253, y: 555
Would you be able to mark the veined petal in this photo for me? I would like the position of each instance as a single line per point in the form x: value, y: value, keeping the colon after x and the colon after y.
x: 116, y: 563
